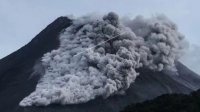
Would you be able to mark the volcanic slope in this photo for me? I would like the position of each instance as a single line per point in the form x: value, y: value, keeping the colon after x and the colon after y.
x: 18, y: 79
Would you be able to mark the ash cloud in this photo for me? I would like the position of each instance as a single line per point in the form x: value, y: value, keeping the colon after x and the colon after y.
x: 162, y: 44
x: 98, y: 56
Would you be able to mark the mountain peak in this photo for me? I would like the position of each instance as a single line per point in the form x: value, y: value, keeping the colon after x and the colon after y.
x: 17, y: 81
x: 44, y: 42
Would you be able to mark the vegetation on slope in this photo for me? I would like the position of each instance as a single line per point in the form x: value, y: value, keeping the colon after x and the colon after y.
x: 169, y: 103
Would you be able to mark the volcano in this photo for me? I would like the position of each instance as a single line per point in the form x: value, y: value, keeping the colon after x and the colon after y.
x: 18, y: 78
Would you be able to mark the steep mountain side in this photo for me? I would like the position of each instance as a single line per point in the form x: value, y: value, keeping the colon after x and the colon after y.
x: 16, y: 69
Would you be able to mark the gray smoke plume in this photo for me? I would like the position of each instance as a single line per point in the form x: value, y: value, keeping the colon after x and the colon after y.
x: 162, y: 43
x: 98, y: 57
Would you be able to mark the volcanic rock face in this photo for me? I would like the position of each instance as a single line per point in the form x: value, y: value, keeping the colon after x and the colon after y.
x: 16, y: 70
x: 19, y: 71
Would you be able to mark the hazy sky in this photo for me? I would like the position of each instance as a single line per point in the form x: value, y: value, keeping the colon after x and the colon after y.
x: 21, y: 20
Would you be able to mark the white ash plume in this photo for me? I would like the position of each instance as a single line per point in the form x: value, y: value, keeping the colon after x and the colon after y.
x: 98, y: 57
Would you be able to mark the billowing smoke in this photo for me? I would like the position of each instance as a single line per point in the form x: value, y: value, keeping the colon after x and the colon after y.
x: 98, y: 56
x: 162, y: 43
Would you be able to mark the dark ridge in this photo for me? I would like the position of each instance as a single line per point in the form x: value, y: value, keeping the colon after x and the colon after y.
x: 16, y: 80
x: 16, y: 68
x: 44, y: 42
x: 169, y: 103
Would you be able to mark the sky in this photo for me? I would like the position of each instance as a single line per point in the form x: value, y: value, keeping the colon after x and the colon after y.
x: 21, y: 20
